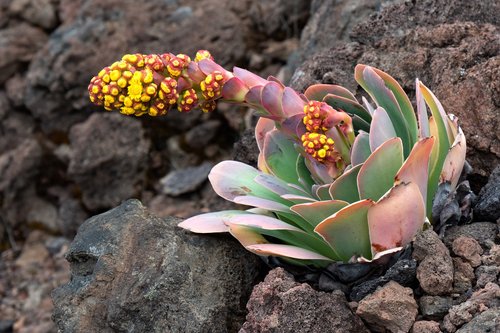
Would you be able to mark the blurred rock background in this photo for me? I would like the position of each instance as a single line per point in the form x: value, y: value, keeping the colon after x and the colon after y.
x: 63, y: 160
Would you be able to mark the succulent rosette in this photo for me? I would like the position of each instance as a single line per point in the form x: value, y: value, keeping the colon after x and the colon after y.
x: 337, y: 180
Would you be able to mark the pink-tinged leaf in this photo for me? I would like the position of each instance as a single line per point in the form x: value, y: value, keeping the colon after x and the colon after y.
x: 372, y: 83
x: 194, y: 72
x: 396, y: 218
x: 453, y: 123
x: 347, y: 105
x: 320, y: 173
x: 267, y: 204
x: 455, y: 160
x: 208, y: 66
x: 246, y: 235
x: 288, y: 251
x: 272, y: 95
x: 234, y: 90
x: 318, y: 91
x: 271, y: 78
x: 381, y: 129
x: 360, y: 150
x: 297, y: 199
x: 367, y: 105
x: 276, y: 185
x: 292, y: 103
x: 253, y: 96
x: 261, y: 164
x: 376, y: 175
x: 210, y: 222
x: 423, y: 118
x: 293, y: 126
x: 231, y: 179
x: 323, y: 193
x: 437, y: 110
x: 249, y: 78
x: 416, y: 167
x: 315, y: 212
x: 346, y: 186
x: 263, y: 126
x: 263, y: 222
x: 403, y: 101
x: 347, y: 231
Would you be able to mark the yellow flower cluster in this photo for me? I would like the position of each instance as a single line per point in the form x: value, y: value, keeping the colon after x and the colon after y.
x: 318, y: 146
x: 315, y: 141
x: 152, y: 84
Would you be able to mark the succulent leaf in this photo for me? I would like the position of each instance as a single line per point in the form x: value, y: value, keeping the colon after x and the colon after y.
x: 346, y: 186
x: 376, y: 175
x: 348, y: 105
x: 280, y: 153
x: 455, y: 160
x: 360, y: 150
x: 384, y: 97
x: 318, y: 92
x: 395, y: 219
x: 347, y: 231
x: 272, y: 97
x: 423, y: 119
x: 210, y: 222
x: 288, y: 251
x: 315, y: 212
x: 381, y: 128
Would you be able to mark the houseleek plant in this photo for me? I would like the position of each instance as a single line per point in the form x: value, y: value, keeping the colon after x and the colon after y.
x: 338, y: 180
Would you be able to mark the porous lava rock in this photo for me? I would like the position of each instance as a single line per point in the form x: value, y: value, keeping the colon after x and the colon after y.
x: 280, y: 304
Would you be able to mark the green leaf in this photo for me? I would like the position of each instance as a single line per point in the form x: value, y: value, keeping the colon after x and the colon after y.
x: 381, y: 128
x: 348, y: 105
x: 384, y: 97
x: 346, y: 186
x: 376, y: 176
x: 315, y: 212
x: 280, y: 156
x: 347, y: 231
x: 318, y: 91
x: 360, y: 150
x: 438, y: 129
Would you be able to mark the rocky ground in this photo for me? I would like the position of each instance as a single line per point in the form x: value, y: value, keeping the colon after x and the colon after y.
x: 62, y: 161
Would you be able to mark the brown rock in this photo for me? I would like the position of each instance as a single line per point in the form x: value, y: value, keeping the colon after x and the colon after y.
x: 469, y: 249
x: 452, y: 48
x: 463, y: 276
x: 279, y: 304
x: 424, y: 326
x: 38, y: 12
x: 391, y: 308
x: 484, y: 233
x: 108, y: 165
x: 435, y: 269
x: 460, y: 314
x: 18, y: 45
x: 493, y: 256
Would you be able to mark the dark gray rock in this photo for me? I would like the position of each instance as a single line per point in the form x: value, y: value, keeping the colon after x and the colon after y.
x: 279, y: 304
x: 133, y: 272
x: 463, y: 276
x: 487, y: 321
x: 488, y: 202
x: 434, y: 307
x: 484, y: 233
x: 183, y: 181
x: 486, y: 274
x: 402, y: 272
x: 108, y: 165
x: 199, y: 136
x: 246, y: 149
x: 435, y: 266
